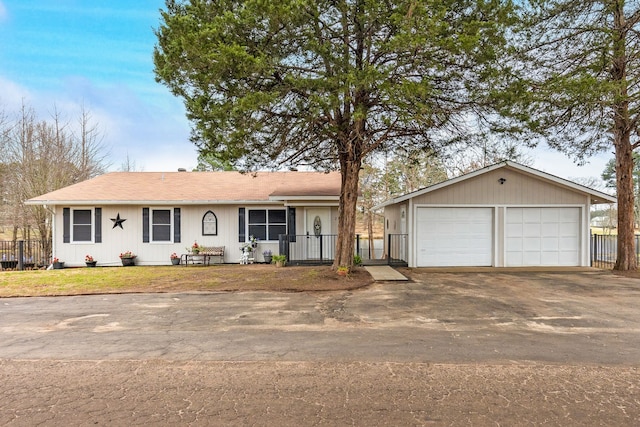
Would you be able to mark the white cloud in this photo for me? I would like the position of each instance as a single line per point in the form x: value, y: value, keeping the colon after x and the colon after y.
x: 153, y: 133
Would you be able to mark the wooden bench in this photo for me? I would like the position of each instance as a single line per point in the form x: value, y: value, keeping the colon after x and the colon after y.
x: 205, y: 254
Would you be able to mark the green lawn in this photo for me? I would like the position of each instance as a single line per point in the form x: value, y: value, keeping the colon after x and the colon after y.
x: 104, y: 280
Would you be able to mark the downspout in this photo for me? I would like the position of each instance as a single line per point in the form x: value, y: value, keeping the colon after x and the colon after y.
x: 53, y: 229
x: 585, y: 259
x: 411, y: 226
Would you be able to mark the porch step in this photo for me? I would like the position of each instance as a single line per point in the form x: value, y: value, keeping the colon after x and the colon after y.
x: 383, y: 273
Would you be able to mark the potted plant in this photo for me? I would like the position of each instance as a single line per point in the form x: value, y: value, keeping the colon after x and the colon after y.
x: 57, y: 264
x: 279, y: 260
x: 267, y: 256
x: 128, y: 258
x: 343, y: 270
x: 175, y: 259
x: 88, y: 259
x: 195, y: 248
x: 253, y: 240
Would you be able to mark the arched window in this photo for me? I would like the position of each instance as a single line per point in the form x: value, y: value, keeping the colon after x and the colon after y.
x: 209, y: 224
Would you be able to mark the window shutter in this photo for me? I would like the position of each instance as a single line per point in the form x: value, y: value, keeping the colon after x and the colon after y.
x: 291, y: 224
x: 66, y: 225
x: 176, y: 225
x: 145, y: 225
x: 98, y: 225
x: 241, y: 225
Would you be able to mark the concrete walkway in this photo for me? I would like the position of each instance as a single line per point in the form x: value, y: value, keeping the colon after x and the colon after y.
x: 384, y: 273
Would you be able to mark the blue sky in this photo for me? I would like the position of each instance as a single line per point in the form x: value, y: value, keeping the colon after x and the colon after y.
x: 64, y: 53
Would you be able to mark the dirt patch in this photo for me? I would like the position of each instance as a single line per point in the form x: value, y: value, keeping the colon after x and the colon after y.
x: 256, y: 277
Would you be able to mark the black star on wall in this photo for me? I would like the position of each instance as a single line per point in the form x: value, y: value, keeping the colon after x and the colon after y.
x: 117, y: 221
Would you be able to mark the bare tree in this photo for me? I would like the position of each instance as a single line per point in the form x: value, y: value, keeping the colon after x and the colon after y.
x: 44, y: 155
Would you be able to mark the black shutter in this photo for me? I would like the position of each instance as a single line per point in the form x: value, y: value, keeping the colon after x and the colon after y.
x: 176, y: 225
x: 291, y: 224
x: 241, y: 225
x: 98, y: 225
x: 145, y: 225
x: 66, y: 225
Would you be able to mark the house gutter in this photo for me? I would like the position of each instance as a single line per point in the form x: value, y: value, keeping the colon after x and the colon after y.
x: 148, y: 202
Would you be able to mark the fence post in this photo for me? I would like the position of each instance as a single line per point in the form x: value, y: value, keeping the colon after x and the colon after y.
x: 389, y: 249
x: 283, y: 247
x: 357, y: 244
x: 321, y: 239
x: 20, y: 255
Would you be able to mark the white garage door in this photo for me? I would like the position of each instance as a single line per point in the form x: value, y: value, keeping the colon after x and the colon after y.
x: 454, y: 237
x: 543, y: 236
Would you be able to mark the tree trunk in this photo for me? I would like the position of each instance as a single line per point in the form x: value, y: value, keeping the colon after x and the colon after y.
x: 624, y: 152
x: 347, y: 214
x: 626, y: 233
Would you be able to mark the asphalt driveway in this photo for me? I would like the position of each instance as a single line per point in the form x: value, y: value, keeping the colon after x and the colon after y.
x: 447, y: 348
x: 582, y: 317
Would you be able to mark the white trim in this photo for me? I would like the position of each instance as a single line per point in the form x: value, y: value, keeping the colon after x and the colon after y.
x: 301, y: 204
x: 410, y: 235
x: 171, y: 225
x: 175, y: 203
x: 266, y: 209
x: 92, y: 216
x: 303, y: 198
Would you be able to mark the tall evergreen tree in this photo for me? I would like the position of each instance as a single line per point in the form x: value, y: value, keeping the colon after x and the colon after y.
x: 326, y: 83
x: 574, y: 83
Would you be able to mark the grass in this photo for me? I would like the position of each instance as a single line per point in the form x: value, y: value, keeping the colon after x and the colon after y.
x: 223, y: 278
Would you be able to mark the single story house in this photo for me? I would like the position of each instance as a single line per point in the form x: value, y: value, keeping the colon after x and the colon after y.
x: 504, y: 215
x: 155, y: 214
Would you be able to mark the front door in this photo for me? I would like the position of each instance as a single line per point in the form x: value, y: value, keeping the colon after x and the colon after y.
x: 319, y: 244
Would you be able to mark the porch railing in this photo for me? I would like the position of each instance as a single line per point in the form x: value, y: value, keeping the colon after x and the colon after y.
x: 311, y: 249
x: 23, y: 255
x: 604, y: 250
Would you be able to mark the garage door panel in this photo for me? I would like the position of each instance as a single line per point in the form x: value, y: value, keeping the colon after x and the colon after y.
x: 531, y: 230
x: 550, y: 243
x: 549, y: 230
x: 553, y: 239
x: 567, y: 243
x: 531, y: 244
x: 530, y: 216
x: 454, y: 236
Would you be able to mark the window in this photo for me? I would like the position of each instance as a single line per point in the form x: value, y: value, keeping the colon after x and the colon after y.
x: 267, y: 224
x: 81, y: 225
x: 209, y: 224
x: 161, y: 225
x: 157, y: 225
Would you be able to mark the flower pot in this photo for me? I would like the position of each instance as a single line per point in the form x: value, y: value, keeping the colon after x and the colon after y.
x: 281, y: 263
x: 175, y: 261
x: 58, y: 265
x: 267, y: 259
x: 127, y: 262
x: 91, y: 263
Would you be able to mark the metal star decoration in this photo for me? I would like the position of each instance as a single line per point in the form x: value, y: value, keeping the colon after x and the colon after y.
x: 117, y: 221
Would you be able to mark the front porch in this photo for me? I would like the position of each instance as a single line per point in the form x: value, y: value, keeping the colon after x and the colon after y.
x: 310, y: 249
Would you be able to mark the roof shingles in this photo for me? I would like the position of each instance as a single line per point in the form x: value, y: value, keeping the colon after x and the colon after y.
x: 193, y: 187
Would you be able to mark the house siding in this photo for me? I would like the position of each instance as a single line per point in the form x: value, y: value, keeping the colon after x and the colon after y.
x: 518, y: 189
x: 117, y: 240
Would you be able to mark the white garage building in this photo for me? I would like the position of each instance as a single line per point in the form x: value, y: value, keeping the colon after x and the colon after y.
x: 505, y: 215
